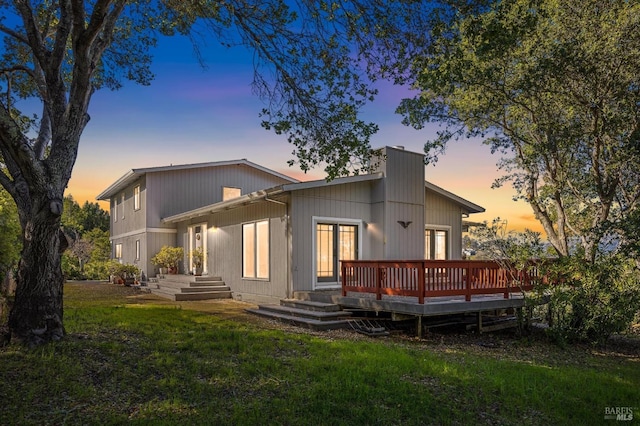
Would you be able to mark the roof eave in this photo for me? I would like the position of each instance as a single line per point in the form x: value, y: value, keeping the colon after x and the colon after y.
x: 240, y: 201
x: 468, y: 205
x: 115, y: 186
x: 338, y: 181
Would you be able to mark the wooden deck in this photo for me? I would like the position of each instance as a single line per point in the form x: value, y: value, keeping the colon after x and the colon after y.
x: 425, y: 279
x: 429, y: 288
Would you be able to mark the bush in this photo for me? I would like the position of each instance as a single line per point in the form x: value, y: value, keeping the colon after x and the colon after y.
x: 168, y: 257
x: 123, y: 273
x: 70, y: 268
x: 97, y: 270
x: 93, y: 270
x: 593, y: 301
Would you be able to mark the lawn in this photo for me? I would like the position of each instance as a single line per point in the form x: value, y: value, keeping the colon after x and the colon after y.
x: 136, y: 359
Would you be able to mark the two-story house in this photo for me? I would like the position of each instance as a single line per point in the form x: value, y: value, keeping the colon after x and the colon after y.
x: 268, y: 235
x: 141, y: 198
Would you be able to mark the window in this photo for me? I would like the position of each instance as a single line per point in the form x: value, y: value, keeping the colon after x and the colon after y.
x: 136, y: 197
x: 436, y: 244
x: 229, y: 193
x: 122, y: 205
x: 334, y: 242
x: 137, y: 249
x: 114, y: 215
x: 118, y: 254
x: 255, y: 250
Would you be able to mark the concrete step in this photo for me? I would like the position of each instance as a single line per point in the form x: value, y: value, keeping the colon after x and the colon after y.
x: 202, y: 289
x: 326, y: 296
x: 182, y: 284
x: 210, y: 295
x: 301, y: 321
x: 310, y: 305
x: 306, y: 313
x: 187, y: 278
x: 177, y: 294
x: 206, y: 278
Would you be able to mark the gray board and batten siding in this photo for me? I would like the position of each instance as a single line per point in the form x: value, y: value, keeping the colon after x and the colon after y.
x: 224, y: 242
x: 347, y: 203
x: 403, y: 201
x: 390, y: 209
x: 168, y: 190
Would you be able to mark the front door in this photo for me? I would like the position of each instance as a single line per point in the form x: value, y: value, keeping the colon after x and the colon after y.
x: 197, y: 240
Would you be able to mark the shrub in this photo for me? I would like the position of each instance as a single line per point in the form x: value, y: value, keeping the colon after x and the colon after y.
x: 98, y: 270
x: 123, y: 273
x: 593, y: 301
x: 168, y: 257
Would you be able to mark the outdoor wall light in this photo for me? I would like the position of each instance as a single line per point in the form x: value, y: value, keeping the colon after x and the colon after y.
x: 404, y: 223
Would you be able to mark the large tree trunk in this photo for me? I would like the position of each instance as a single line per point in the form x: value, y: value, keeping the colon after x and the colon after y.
x: 36, y: 316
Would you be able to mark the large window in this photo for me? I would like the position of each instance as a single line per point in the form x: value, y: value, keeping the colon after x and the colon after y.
x: 118, y: 253
x: 436, y: 244
x: 334, y: 242
x: 255, y: 250
x: 136, y: 197
x: 137, y: 249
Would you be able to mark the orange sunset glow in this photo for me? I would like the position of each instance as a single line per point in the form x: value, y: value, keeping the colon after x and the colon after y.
x: 191, y: 115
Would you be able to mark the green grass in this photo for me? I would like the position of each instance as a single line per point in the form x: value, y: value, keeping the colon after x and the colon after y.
x: 135, y: 359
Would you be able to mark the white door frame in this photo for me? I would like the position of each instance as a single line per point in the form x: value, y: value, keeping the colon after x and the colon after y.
x: 321, y: 285
x: 195, y: 242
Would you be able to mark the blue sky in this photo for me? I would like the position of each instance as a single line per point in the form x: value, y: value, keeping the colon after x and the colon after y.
x: 190, y: 114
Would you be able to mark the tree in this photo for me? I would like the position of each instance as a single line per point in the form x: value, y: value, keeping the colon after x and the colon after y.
x: 94, y: 217
x: 312, y: 63
x: 9, y: 234
x: 101, y: 246
x: 77, y: 220
x: 71, y: 219
x: 555, y: 86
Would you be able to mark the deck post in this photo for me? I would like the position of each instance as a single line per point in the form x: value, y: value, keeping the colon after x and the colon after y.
x: 378, y: 281
x: 421, y: 283
x: 467, y: 283
x: 507, y: 284
x: 479, y: 322
x: 345, y: 281
x: 419, y: 327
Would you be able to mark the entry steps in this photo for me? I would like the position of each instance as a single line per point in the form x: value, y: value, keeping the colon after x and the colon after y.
x: 306, y: 313
x: 188, y: 287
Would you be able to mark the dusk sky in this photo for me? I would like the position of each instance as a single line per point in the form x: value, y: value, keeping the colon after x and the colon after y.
x: 190, y: 115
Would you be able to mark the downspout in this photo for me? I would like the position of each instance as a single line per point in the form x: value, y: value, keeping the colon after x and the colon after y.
x: 288, y: 235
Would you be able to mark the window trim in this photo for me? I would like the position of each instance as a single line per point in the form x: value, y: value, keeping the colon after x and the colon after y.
x: 445, y: 228
x: 255, y: 248
x: 123, y: 198
x: 115, y: 209
x: 359, y: 223
x: 137, y: 249
x: 136, y: 198
x: 117, y: 251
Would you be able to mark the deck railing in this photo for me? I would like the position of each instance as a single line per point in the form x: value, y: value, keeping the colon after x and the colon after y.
x: 434, y: 278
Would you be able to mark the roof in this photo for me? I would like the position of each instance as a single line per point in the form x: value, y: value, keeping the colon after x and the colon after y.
x: 133, y: 174
x: 468, y: 205
x: 261, y: 195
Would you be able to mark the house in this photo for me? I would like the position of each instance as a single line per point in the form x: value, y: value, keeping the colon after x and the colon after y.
x: 268, y: 235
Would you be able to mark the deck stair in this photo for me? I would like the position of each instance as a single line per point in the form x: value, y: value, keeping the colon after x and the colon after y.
x: 189, y: 287
x: 306, y: 313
